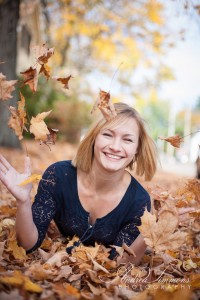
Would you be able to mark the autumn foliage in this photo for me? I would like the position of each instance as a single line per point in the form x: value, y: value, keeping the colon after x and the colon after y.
x: 170, y: 267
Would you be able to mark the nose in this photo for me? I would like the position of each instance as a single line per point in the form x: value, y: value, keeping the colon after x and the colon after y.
x: 115, y: 145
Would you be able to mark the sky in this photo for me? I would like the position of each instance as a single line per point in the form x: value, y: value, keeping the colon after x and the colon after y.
x: 184, y: 60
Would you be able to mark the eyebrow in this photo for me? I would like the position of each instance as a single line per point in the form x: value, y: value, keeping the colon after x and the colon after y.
x: 126, y: 134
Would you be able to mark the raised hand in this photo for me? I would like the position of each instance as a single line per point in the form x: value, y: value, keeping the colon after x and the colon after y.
x: 11, y: 178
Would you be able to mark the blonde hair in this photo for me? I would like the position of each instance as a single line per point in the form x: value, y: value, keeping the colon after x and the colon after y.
x: 146, y: 156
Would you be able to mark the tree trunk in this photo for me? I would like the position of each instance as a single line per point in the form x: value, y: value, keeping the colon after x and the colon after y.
x: 9, y: 16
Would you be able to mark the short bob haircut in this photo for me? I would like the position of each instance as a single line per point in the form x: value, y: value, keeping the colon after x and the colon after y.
x: 145, y: 159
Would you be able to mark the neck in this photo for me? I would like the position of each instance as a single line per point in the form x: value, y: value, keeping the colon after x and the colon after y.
x: 102, y: 180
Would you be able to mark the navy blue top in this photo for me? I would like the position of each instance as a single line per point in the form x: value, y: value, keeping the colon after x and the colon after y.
x: 57, y: 198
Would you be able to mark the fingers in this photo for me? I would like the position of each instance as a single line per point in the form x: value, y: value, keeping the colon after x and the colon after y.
x: 4, y: 163
x: 27, y: 165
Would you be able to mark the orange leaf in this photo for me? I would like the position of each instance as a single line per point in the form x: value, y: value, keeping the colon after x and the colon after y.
x: 45, y: 70
x: 18, y: 118
x: 42, y: 53
x: 38, y: 126
x: 105, y: 105
x: 6, y: 87
x: 17, y: 252
x: 65, y: 81
x: 175, y: 140
x: 30, y: 78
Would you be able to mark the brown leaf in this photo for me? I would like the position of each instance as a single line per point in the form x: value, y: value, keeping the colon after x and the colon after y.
x: 6, y: 87
x: 14, y: 122
x: 18, y: 119
x: 175, y: 140
x: 51, y: 137
x: 160, y: 235
x: 64, y: 80
x: 42, y: 53
x: 45, y: 70
x: 65, y: 272
x: 38, y: 126
x: 30, y: 78
x: 105, y: 105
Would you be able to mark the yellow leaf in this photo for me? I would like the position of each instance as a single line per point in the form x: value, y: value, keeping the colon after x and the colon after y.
x: 17, y: 252
x: 38, y: 126
x: 17, y: 279
x: 30, y: 179
x: 160, y: 235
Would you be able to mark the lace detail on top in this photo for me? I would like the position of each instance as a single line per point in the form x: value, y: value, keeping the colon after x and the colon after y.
x: 57, y: 198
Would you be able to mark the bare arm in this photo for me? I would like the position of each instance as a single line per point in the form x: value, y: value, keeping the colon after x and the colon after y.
x: 26, y: 230
x: 139, y: 247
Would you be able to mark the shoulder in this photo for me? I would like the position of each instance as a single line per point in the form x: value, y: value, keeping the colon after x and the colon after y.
x: 138, y: 187
x: 141, y: 196
x: 61, y: 167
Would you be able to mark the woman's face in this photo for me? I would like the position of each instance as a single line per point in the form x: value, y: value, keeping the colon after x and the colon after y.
x: 116, y: 146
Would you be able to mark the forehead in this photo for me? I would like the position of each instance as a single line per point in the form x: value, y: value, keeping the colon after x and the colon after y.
x: 125, y: 125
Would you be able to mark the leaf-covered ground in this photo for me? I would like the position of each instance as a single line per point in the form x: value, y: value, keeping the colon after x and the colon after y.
x: 50, y: 273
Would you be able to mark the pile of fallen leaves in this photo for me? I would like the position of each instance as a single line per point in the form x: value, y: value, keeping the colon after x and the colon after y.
x: 170, y: 267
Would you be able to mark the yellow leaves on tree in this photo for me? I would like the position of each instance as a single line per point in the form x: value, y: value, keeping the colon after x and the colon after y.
x: 18, y: 117
x: 175, y: 140
x: 6, y: 87
x: 105, y: 105
x: 160, y: 234
x: 31, y: 78
x: 38, y: 126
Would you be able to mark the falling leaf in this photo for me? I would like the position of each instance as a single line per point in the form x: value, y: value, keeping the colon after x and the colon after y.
x: 51, y: 137
x: 6, y: 87
x: 105, y: 105
x: 64, y: 80
x: 31, y: 179
x: 45, y: 69
x: 17, y: 119
x: 160, y: 235
x: 31, y: 78
x: 175, y: 140
x: 38, y: 126
x: 42, y: 53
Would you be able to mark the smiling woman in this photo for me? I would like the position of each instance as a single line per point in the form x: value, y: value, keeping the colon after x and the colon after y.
x: 94, y: 196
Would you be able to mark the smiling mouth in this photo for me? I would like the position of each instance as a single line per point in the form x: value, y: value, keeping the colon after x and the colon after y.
x: 113, y: 156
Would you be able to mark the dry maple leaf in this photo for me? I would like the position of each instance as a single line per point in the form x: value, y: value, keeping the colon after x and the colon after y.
x: 64, y: 80
x: 105, y: 105
x: 17, y: 119
x: 38, y: 126
x: 42, y: 53
x: 30, y: 78
x: 6, y: 87
x: 31, y: 179
x: 15, y: 122
x: 51, y: 137
x: 45, y: 69
x: 160, y: 234
x: 175, y: 140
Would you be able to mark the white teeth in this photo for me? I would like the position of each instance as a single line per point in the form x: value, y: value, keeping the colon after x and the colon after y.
x: 113, y: 156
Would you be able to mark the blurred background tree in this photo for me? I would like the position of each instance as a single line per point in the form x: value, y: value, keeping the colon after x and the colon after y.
x: 91, y: 39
